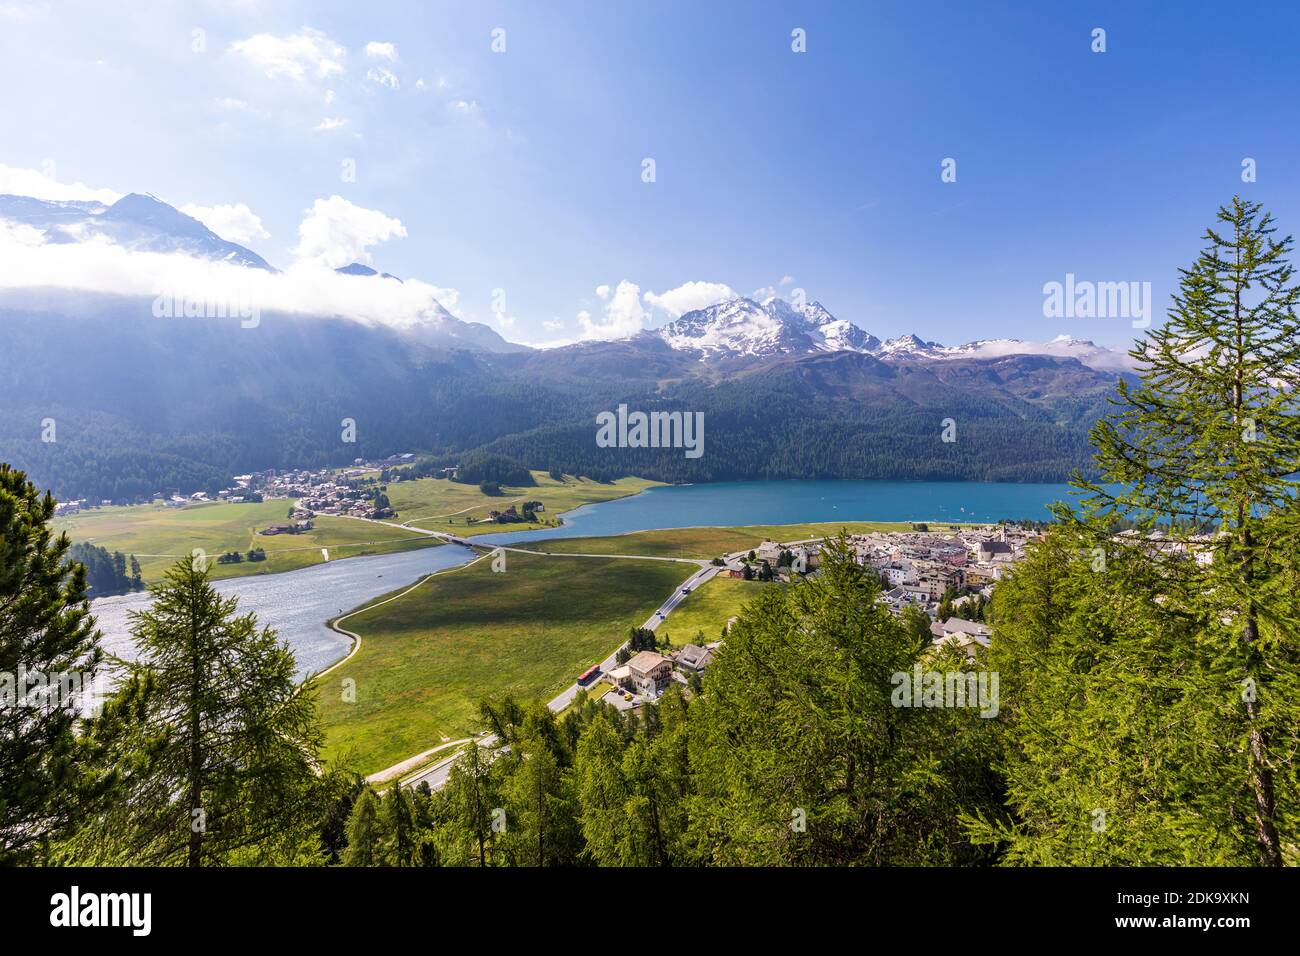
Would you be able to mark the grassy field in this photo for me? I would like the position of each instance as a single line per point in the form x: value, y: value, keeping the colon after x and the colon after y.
x: 708, y: 542
x: 708, y: 609
x: 426, y: 658
x: 437, y: 504
x: 158, y: 535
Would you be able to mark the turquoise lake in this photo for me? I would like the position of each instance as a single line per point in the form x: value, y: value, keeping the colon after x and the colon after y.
x: 798, y: 502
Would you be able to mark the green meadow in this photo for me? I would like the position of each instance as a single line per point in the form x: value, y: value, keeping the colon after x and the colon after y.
x: 708, y: 609
x: 158, y: 536
x: 437, y: 504
x: 426, y: 658
x: 708, y: 543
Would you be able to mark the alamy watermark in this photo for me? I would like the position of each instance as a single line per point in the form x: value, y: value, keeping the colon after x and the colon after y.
x: 171, y: 304
x: 950, y: 689
x: 1084, y: 299
x: 77, y: 691
x: 651, y: 430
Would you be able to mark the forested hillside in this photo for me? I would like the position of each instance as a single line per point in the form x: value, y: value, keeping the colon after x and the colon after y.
x: 129, y: 405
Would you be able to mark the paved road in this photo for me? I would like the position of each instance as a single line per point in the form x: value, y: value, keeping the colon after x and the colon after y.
x: 436, y: 775
x: 695, y: 580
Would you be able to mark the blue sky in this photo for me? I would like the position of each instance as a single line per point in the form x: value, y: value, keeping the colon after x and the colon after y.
x: 522, y: 170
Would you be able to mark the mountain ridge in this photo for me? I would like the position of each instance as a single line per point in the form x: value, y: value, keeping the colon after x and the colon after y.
x: 727, y: 333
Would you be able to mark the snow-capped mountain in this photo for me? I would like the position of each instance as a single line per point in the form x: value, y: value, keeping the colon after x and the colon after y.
x: 1063, y: 346
x: 144, y: 223
x: 909, y: 346
x: 137, y: 221
x: 739, y: 327
x: 744, y: 329
x: 827, y: 333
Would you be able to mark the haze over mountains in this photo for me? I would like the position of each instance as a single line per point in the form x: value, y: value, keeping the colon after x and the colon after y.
x: 146, y: 403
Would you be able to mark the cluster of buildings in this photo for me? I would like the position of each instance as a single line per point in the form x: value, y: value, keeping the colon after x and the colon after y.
x: 325, y: 491
x: 647, y: 674
x: 918, y: 568
x: 297, y: 527
x: 525, y: 512
x: 73, y: 507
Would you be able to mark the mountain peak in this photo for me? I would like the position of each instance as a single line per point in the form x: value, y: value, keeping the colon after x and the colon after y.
x: 361, y: 269
x: 741, y: 327
x: 138, y: 221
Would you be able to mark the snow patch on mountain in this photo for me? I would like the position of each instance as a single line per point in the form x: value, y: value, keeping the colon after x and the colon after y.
x: 743, y: 328
x: 1063, y: 346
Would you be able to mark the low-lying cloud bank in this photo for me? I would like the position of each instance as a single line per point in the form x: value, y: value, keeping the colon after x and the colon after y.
x: 308, y: 287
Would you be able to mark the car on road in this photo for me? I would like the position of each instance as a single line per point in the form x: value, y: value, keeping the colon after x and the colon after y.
x: 686, y: 590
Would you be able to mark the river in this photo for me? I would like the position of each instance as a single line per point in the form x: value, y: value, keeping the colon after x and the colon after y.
x: 298, y: 603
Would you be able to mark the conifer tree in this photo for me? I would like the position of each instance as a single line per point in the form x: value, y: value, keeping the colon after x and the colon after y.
x: 46, y: 630
x: 365, y: 832
x: 223, y: 744
x: 1166, y: 663
x: 397, y: 813
x: 471, y: 797
x: 603, y: 794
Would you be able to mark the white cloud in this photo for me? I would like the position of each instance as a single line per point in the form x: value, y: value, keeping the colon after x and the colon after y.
x: 330, y: 123
x: 329, y: 97
x: 602, y: 291
x: 383, y: 76
x: 22, y: 11
x: 382, y: 51
x: 309, y: 53
x: 307, y: 287
x: 337, y: 232
x: 17, y: 181
x: 236, y: 223
x: 235, y: 105
x: 463, y: 107
x: 623, y: 315
x: 690, y: 296
x: 786, y: 280
x: 553, y: 325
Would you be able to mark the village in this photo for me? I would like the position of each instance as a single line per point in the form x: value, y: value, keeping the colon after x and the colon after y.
x: 938, y: 574
x: 351, y: 491
x: 948, y: 576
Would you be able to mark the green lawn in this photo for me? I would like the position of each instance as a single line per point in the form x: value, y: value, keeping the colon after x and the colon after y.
x: 708, y: 542
x: 437, y: 504
x: 158, y: 535
x: 426, y: 658
x: 708, y: 609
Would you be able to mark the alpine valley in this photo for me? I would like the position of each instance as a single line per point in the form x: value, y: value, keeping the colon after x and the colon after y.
x: 144, y: 403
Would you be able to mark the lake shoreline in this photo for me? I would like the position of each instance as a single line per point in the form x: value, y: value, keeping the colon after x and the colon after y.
x: 302, y: 603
